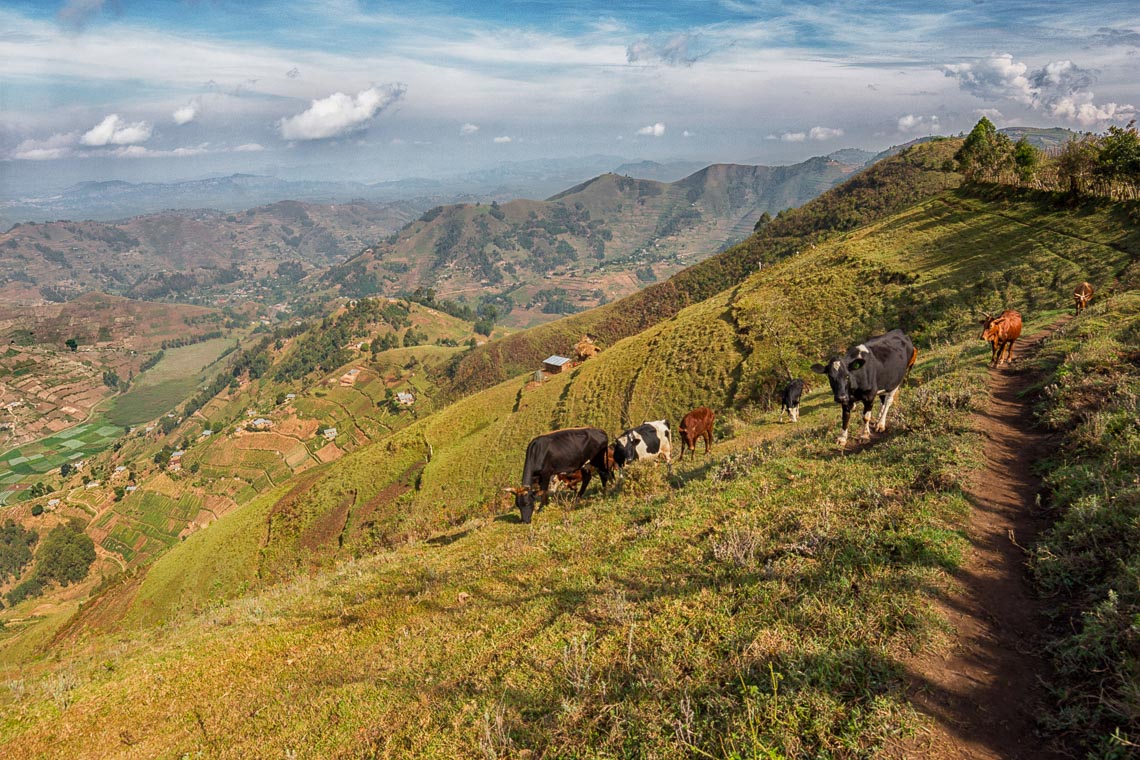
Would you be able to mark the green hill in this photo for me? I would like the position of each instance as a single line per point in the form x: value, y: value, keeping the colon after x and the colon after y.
x: 762, y: 602
x: 930, y: 269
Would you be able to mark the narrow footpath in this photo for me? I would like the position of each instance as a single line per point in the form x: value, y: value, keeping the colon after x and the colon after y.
x: 985, y: 696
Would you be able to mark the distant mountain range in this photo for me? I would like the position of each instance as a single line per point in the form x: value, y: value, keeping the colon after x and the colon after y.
x: 176, y: 253
x: 597, y: 241
x: 115, y: 200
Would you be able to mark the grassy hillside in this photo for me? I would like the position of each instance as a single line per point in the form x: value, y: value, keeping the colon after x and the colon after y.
x: 885, y: 188
x: 1088, y: 562
x: 929, y: 269
x: 762, y: 602
x: 593, y: 243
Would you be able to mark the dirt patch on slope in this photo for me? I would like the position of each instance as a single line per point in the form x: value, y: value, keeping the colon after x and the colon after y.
x: 984, y: 697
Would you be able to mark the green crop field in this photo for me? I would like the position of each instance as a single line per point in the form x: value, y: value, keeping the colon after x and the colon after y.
x: 170, y: 382
x: 26, y: 463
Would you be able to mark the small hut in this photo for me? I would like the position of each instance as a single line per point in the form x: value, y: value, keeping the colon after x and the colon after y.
x: 586, y: 348
x: 555, y: 364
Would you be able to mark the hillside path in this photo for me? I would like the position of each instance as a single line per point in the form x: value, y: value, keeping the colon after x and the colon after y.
x: 984, y: 697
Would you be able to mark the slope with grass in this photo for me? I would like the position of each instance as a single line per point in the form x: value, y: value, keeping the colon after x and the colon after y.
x: 925, y: 268
x: 885, y: 188
x: 1086, y: 565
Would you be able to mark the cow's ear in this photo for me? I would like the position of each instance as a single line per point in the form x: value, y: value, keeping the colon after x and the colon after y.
x: 819, y: 368
x: 856, y: 364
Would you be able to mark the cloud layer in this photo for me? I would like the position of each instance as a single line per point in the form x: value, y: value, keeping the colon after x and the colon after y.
x: 115, y: 131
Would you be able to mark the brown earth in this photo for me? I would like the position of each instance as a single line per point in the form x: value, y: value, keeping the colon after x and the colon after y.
x: 984, y: 697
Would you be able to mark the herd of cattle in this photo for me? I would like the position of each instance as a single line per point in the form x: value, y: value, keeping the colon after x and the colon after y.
x: 873, y: 369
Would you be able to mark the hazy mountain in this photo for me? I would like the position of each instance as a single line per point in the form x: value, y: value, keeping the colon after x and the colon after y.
x: 180, y: 252
x: 599, y: 240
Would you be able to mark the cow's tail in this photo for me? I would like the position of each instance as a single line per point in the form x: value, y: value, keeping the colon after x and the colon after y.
x: 913, y: 357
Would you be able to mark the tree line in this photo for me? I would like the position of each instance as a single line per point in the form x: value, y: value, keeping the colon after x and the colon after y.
x: 1090, y: 165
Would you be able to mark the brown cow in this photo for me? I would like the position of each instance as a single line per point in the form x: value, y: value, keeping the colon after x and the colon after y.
x: 1001, y: 332
x: 1082, y: 296
x: 696, y: 425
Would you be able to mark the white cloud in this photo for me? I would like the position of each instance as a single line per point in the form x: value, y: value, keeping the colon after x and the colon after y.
x: 114, y: 131
x: 998, y: 77
x: 1059, y: 88
x: 916, y: 124
x: 249, y: 148
x: 186, y: 113
x: 653, y: 130
x: 992, y: 114
x: 1080, y: 109
x: 824, y: 133
x: 503, y: 139
x: 687, y: 133
x: 340, y: 114
x: 468, y: 129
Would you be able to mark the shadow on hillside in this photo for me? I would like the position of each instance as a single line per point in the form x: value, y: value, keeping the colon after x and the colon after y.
x: 449, y: 539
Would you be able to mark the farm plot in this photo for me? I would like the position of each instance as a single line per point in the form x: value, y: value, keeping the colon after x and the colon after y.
x: 32, y: 460
x: 171, y: 381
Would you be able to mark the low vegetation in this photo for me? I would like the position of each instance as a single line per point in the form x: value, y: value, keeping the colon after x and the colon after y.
x: 1087, y: 564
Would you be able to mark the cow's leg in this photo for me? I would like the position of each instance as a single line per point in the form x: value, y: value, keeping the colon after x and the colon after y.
x: 585, y: 482
x: 794, y: 413
x: 881, y: 425
x: 543, y: 491
x: 866, y: 434
x: 708, y: 441
x: 846, y: 423
x: 1009, y: 352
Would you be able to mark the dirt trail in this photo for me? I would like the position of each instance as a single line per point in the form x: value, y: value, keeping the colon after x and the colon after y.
x: 985, y: 695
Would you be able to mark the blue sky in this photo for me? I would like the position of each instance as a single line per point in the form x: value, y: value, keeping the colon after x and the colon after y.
x: 172, y: 89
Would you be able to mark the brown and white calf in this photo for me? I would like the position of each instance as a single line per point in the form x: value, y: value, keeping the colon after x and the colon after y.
x: 1002, y: 332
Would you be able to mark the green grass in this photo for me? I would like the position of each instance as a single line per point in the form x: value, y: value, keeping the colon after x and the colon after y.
x: 169, y: 383
x: 759, y: 602
x: 1088, y: 562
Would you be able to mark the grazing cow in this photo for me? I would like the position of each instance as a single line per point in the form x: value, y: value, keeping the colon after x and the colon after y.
x: 1001, y: 332
x: 563, y: 451
x: 875, y: 367
x: 791, y: 398
x: 696, y: 425
x: 645, y: 441
x: 1082, y: 296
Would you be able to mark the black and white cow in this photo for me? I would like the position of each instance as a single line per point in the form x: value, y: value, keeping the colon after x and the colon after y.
x: 791, y: 398
x: 647, y: 440
x: 875, y: 367
x: 568, y: 450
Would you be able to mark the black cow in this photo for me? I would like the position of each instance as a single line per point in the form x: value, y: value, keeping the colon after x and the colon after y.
x: 645, y: 441
x: 791, y: 398
x: 568, y: 450
x: 875, y: 367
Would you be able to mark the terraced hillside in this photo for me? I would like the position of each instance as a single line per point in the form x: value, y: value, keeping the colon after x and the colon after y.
x: 764, y: 601
x: 594, y: 243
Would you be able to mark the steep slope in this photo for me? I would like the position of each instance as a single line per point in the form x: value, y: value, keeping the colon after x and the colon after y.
x: 885, y: 188
x: 761, y: 602
x: 595, y: 242
x: 929, y: 269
